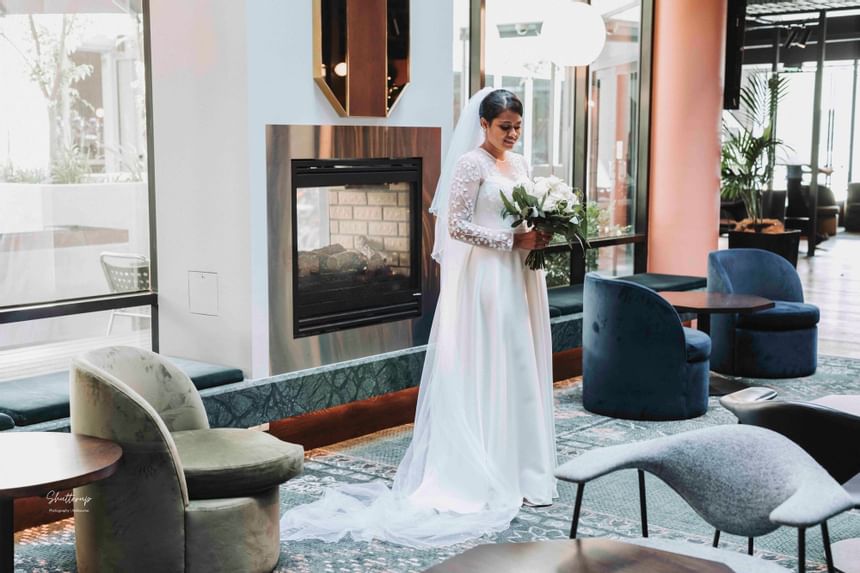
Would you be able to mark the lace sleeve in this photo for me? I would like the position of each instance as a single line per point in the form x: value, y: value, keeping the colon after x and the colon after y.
x: 461, y: 209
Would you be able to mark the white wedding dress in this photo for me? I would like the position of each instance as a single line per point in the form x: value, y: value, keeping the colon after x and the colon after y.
x: 483, y: 440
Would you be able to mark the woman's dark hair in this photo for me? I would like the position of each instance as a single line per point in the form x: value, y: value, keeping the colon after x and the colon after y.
x: 497, y: 102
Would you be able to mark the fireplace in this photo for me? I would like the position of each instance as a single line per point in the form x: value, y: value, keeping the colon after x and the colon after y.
x: 349, y: 241
x: 356, y: 242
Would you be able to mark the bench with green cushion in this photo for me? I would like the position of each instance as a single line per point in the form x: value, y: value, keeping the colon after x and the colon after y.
x: 568, y: 299
x: 34, y: 399
x: 658, y: 282
x: 206, y: 375
x: 565, y: 300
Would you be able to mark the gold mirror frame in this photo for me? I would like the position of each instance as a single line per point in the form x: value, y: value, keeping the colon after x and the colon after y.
x: 398, y: 40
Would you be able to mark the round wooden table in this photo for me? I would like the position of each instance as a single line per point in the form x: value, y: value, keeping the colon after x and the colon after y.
x: 37, y: 463
x: 704, y: 304
x: 574, y: 556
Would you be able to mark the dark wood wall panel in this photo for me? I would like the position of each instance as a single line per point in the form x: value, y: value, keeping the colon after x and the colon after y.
x: 367, y: 54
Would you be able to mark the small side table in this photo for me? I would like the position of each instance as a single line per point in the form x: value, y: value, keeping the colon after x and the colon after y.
x: 39, y: 462
x: 704, y: 304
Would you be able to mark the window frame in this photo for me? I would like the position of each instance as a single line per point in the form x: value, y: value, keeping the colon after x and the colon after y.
x: 82, y: 305
x: 639, y: 239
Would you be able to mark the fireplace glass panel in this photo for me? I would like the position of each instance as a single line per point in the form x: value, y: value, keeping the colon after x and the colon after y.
x: 357, y: 246
x: 354, y: 235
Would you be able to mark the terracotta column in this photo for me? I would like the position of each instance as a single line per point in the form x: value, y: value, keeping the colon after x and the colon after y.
x: 689, y: 40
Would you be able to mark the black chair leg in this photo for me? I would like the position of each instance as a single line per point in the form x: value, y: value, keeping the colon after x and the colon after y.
x: 828, y: 555
x: 749, y: 545
x: 716, y: 537
x: 643, y: 509
x: 801, y: 550
x: 573, y: 526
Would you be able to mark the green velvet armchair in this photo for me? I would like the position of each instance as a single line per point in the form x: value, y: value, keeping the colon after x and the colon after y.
x: 186, y: 498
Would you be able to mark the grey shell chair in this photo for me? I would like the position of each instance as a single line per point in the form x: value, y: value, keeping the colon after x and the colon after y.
x: 186, y: 498
x: 740, y: 479
x: 828, y: 435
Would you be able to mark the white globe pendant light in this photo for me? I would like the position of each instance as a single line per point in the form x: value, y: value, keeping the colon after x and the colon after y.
x: 574, y: 33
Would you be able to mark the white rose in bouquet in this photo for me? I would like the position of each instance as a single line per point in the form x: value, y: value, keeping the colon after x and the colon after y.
x: 540, y: 188
x: 555, y: 194
x: 551, y: 199
x: 550, y: 205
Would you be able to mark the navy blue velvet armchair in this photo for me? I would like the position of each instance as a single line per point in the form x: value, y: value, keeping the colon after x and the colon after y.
x: 639, y: 362
x: 780, y: 342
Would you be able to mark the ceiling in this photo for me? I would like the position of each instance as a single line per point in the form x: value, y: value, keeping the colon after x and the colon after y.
x: 770, y: 7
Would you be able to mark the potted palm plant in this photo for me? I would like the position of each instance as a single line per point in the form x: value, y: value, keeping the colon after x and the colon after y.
x: 747, y: 159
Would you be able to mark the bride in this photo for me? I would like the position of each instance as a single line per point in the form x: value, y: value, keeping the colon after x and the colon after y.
x: 483, y: 441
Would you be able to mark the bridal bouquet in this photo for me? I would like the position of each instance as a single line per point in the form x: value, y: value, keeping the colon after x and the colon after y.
x: 549, y: 205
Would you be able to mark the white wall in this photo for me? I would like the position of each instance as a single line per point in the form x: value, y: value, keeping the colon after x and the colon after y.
x: 222, y: 70
x: 201, y: 158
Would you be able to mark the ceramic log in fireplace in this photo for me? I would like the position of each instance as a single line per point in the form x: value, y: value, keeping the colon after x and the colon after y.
x: 357, y: 242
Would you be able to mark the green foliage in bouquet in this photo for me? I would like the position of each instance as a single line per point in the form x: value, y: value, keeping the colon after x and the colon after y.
x: 549, y: 206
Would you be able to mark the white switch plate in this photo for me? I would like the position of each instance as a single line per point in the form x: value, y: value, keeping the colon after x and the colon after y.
x: 203, y: 293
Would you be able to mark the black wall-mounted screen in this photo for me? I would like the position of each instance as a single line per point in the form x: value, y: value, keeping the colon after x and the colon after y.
x: 735, y: 26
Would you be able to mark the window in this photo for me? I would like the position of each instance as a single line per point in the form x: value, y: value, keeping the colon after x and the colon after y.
x: 74, y: 196
x: 461, y: 56
x: 614, y: 261
x: 583, y: 125
x: 516, y: 60
x: 558, y: 269
x: 794, y: 124
x: 613, y: 110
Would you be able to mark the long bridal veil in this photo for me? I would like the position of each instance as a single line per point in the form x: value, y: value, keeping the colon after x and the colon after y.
x: 446, y: 490
x: 466, y: 137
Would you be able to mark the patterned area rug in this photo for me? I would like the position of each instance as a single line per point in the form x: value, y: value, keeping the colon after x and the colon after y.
x: 610, y: 504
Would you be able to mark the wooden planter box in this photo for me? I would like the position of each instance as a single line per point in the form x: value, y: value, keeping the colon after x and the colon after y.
x: 784, y: 244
